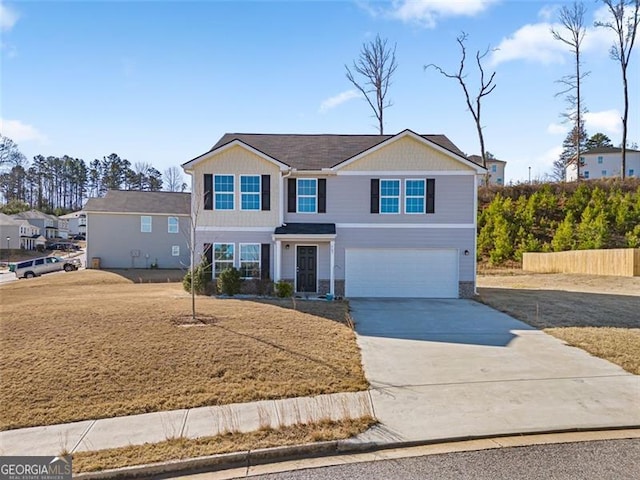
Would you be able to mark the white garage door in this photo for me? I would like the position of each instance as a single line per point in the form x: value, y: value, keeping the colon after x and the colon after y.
x: 409, y: 273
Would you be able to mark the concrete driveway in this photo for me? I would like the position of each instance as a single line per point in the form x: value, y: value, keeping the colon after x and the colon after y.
x: 454, y: 368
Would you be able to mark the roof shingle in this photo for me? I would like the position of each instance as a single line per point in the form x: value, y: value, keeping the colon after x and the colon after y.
x: 130, y: 201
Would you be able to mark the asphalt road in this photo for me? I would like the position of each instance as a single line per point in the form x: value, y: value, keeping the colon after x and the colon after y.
x: 609, y: 459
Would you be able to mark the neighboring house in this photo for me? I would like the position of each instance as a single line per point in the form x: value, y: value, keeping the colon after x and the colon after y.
x: 76, y: 222
x: 133, y: 229
x: 48, y: 224
x: 21, y: 234
x: 9, y: 232
x: 354, y: 215
x: 495, y: 168
x: 605, y: 162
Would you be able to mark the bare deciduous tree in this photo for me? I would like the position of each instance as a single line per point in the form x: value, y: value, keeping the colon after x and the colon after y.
x: 173, y: 180
x: 572, y: 21
x: 376, y: 64
x: 486, y: 87
x: 624, y: 23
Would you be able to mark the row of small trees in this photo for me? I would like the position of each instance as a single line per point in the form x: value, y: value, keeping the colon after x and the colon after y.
x: 554, y: 219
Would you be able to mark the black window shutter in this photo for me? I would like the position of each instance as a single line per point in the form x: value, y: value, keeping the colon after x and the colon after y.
x: 208, y: 255
x: 208, y: 191
x: 265, y: 261
x: 322, y: 195
x: 431, y: 195
x: 292, y: 195
x: 375, y: 195
x: 266, y: 192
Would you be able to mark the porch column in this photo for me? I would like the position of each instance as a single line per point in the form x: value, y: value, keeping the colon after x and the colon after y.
x: 332, y: 261
x: 277, y: 261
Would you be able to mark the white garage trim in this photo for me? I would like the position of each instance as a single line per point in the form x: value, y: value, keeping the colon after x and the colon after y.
x: 400, y: 272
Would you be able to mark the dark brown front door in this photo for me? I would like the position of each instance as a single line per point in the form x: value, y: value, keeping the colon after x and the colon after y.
x: 306, y: 262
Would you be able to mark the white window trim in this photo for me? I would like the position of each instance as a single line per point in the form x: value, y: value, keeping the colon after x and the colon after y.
x: 142, y: 223
x: 175, y: 250
x: 177, y: 225
x: 298, y: 196
x: 259, y: 260
x: 258, y: 193
x: 407, y: 196
x: 233, y: 260
x: 390, y: 196
x: 232, y: 193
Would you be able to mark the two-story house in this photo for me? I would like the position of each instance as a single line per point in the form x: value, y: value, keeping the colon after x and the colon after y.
x: 353, y: 215
x: 495, y: 169
x: 605, y: 162
x: 133, y: 229
x: 76, y: 222
x: 17, y: 233
x: 48, y: 224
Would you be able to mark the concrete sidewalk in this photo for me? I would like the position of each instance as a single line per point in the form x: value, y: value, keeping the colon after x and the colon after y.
x: 190, y: 423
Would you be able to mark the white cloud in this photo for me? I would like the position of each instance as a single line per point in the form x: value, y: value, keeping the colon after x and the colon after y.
x: 557, y: 128
x: 333, y: 102
x: 546, y: 159
x: 534, y: 42
x: 427, y: 12
x: 20, y: 132
x: 607, y: 121
x: 8, y: 18
x: 548, y: 12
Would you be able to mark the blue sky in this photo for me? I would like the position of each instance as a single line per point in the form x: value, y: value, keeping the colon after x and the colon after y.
x: 161, y: 81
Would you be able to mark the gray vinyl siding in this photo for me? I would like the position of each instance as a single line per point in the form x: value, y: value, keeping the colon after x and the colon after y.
x: 113, y: 237
x: 349, y: 200
x: 13, y: 232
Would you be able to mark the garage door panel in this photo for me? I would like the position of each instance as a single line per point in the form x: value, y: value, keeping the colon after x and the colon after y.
x: 407, y: 273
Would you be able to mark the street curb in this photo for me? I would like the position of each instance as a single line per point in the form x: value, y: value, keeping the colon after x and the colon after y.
x: 248, y: 458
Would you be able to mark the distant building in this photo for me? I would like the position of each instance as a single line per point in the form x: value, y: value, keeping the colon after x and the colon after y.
x: 48, y: 224
x: 21, y: 234
x: 495, y: 168
x: 605, y: 162
x: 77, y: 222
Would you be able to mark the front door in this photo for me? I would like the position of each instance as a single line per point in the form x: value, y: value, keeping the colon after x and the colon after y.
x: 306, y: 262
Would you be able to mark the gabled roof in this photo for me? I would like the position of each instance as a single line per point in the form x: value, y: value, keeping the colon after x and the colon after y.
x: 601, y: 150
x: 315, y: 152
x: 130, y: 201
x: 71, y: 215
x: 35, y: 215
x: 478, y: 159
x: 7, y: 221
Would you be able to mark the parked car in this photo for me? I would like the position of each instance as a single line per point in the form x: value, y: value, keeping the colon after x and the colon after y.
x: 39, y: 266
x: 80, y: 236
x: 65, y: 247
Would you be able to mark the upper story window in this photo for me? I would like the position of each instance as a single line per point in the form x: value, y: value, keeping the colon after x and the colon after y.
x: 223, y: 192
x: 600, y: 159
x: 414, y: 196
x: 494, y: 168
x: 145, y: 224
x: 586, y: 174
x: 389, y: 196
x: 250, y: 192
x: 307, y: 195
x: 173, y: 225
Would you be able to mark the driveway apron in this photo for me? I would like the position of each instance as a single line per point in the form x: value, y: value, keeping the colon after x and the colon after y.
x: 456, y: 368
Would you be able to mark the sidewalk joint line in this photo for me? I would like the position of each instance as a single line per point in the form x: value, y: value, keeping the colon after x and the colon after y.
x: 84, y: 434
x: 508, y: 380
x: 184, y: 422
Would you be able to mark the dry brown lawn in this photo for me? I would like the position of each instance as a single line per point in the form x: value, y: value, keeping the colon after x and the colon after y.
x: 181, y: 448
x: 93, y: 344
x: 598, y: 314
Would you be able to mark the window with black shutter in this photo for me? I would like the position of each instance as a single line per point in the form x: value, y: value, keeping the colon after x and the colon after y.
x: 208, y: 255
x: 266, y: 192
x: 375, y: 195
x: 265, y: 261
x: 431, y: 195
x: 208, y: 191
x: 291, y: 195
x: 322, y: 195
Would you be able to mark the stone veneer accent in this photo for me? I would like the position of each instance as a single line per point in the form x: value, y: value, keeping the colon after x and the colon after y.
x: 466, y: 289
x: 323, y: 287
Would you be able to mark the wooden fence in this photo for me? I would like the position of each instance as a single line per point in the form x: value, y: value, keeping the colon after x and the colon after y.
x: 621, y: 262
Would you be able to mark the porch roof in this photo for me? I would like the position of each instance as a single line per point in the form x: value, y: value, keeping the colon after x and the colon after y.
x: 306, y: 229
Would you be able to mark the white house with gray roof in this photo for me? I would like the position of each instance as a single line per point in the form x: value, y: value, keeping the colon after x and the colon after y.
x: 133, y: 229
x: 605, y: 162
x: 353, y: 215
